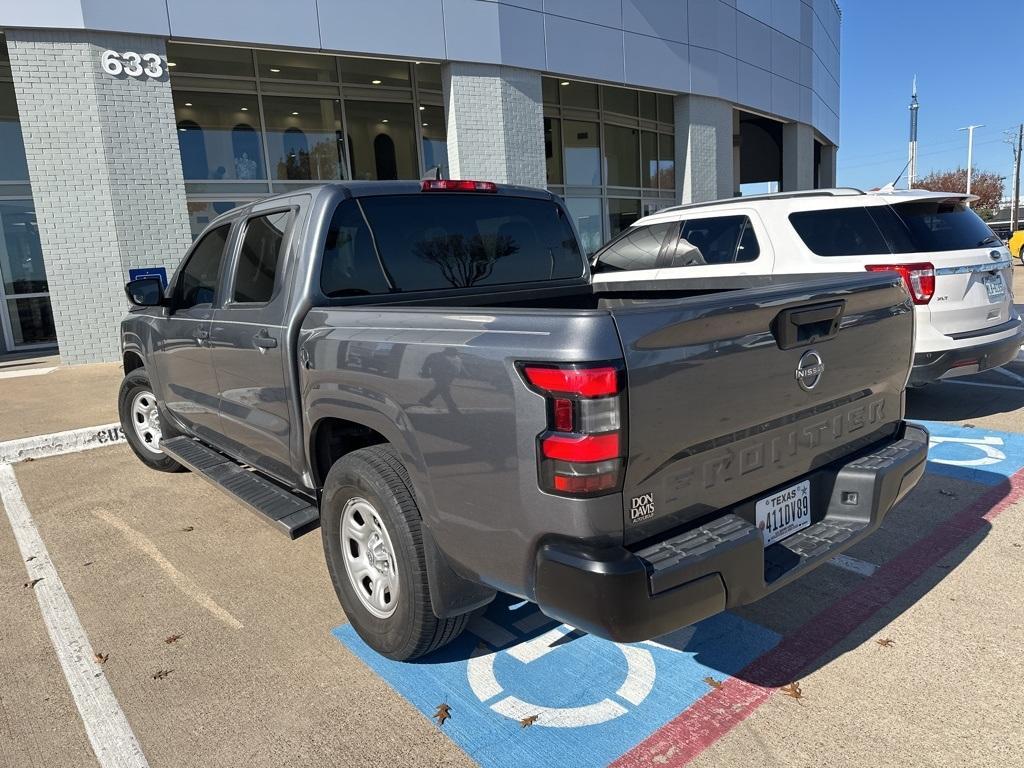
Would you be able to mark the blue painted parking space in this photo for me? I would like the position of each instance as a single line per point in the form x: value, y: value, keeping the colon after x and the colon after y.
x: 976, y: 454
x: 593, y: 699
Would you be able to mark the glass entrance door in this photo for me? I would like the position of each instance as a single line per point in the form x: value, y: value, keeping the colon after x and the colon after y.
x: 25, y: 313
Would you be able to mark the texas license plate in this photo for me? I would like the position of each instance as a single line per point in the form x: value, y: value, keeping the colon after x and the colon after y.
x: 995, y: 286
x: 784, y: 512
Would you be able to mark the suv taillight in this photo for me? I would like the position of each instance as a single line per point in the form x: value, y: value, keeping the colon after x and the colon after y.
x: 918, y: 278
x: 581, y: 452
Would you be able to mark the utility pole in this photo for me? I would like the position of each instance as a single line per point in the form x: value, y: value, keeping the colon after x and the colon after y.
x: 970, y: 154
x: 1015, y: 199
x: 912, y: 164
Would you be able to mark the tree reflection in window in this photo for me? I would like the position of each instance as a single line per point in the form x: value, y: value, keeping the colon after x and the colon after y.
x: 465, y: 262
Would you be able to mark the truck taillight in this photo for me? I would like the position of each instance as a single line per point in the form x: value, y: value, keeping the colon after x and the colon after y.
x: 918, y: 278
x: 457, y: 185
x: 582, y: 450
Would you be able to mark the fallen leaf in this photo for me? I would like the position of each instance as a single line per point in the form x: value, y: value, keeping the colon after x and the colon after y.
x: 442, y: 714
x: 526, y: 722
x: 160, y: 674
x: 792, y: 690
x: 88, y: 563
x: 32, y: 584
x: 712, y: 682
x: 30, y: 558
x: 969, y: 426
x: 172, y: 639
x: 885, y: 642
x: 188, y: 528
x: 947, y: 493
x: 101, y: 658
x: 1016, y: 545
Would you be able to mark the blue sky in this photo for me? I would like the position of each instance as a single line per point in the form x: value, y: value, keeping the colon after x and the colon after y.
x: 969, y: 59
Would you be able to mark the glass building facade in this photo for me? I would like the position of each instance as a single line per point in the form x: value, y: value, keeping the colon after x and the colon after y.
x: 610, y: 153
x: 26, y: 320
x: 255, y: 122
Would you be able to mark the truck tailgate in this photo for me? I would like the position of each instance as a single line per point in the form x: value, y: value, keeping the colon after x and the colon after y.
x: 718, y: 411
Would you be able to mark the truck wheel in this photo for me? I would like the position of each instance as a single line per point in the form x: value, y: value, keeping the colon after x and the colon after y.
x: 140, y: 422
x: 373, y: 543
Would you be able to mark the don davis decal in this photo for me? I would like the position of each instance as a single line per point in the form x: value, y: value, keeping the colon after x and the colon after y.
x: 642, y: 507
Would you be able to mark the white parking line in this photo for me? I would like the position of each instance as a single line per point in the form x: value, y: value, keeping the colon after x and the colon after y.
x: 980, y: 384
x: 71, y: 441
x: 109, y: 732
x: 852, y: 564
x: 26, y: 372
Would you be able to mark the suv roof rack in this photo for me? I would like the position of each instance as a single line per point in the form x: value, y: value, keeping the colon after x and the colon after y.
x: 835, y: 192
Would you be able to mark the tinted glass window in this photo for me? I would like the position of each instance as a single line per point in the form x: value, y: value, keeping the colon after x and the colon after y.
x: 938, y: 225
x: 260, y: 257
x: 198, y: 281
x: 350, y: 264
x: 895, y: 232
x: 715, y: 240
x: 434, y: 241
x: 839, y: 232
x: 636, y: 248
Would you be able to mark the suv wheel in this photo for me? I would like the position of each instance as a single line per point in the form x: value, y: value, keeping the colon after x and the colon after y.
x: 140, y: 422
x: 373, y: 543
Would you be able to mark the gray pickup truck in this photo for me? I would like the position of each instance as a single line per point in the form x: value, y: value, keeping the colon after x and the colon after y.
x: 425, y: 371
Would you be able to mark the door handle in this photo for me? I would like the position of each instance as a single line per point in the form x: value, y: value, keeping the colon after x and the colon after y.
x: 264, y: 341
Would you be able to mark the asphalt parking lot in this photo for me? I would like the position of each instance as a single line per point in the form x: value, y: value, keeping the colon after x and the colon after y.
x: 212, y: 640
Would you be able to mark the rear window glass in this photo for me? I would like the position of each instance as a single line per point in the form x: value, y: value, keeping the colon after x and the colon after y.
x: 436, y: 241
x: 839, y: 232
x: 636, y: 248
x: 939, y: 225
x: 350, y: 265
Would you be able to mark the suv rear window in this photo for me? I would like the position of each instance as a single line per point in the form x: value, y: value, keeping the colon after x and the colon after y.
x: 437, y: 241
x: 922, y: 226
x: 941, y: 225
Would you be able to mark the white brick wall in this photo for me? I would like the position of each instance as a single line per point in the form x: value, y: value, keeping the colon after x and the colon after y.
x: 106, y: 177
x: 495, y: 124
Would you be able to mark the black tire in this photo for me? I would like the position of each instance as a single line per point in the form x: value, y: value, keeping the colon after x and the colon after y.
x: 377, y: 476
x: 135, y: 384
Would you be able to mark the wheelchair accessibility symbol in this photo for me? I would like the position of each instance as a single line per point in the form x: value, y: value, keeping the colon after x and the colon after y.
x: 981, y: 456
x: 593, y: 699
x: 639, y: 681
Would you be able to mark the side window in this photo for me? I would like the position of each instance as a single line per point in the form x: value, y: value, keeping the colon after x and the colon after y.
x: 715, y: 240
x: 350, y: 265
x: 839, y: 232
x: 260, y: 257
x: 636, y: 248
x: 197, y: 283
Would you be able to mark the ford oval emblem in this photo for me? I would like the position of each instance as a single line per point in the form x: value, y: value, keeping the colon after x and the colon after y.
x: 809, y: 370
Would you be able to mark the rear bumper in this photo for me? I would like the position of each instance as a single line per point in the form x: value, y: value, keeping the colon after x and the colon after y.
x: 933, y: 366
x: 630, y: 596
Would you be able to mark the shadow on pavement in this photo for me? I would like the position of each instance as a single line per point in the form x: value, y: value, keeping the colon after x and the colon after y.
x: 955, y: 402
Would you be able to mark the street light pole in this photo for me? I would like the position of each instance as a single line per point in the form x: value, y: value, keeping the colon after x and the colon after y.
x: 970, y: 153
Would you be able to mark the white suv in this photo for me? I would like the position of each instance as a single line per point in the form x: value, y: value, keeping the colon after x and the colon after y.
x: 957, y: 271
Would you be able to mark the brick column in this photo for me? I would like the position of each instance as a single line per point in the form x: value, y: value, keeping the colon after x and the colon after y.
x: 704, y: 149
x: 797, y: 157
x: 495, y: 124
x: 106, y: 177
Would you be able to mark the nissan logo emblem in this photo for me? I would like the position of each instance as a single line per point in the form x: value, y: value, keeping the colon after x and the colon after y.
x: 809, y: 370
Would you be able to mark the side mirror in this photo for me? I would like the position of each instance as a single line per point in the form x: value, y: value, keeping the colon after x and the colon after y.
x: 145, y: 292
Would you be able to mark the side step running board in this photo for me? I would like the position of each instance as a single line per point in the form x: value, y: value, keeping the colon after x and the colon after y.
x: 291, y: 514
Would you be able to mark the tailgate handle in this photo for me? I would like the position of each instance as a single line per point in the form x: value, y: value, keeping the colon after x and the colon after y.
x: 800, y: 326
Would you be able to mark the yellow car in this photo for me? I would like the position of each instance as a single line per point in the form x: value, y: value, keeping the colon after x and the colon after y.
x: 1016, y: 244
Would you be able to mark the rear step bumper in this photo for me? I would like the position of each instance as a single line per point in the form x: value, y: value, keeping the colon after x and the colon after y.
x: 932, y: 366
x: 632, y: 596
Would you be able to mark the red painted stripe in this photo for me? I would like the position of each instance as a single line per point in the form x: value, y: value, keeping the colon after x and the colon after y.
x: 712, y: 716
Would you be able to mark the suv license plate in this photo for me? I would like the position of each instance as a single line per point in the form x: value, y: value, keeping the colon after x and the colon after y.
x: 784, y: 512
x: 995, y: 286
